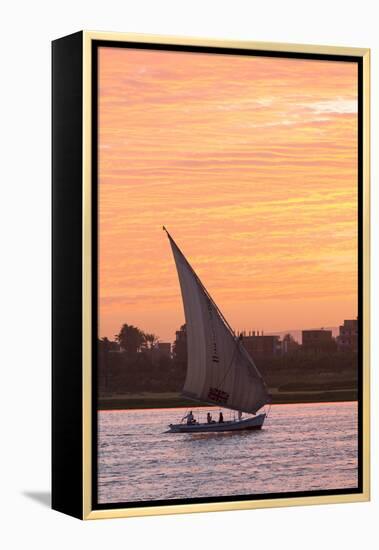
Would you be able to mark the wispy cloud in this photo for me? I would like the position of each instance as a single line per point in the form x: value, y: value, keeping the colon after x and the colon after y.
x: 338, y: 106
x: 251, y: 163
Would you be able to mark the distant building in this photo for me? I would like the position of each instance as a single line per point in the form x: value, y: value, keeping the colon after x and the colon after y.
x: 164, y: 349
x: 289, y: 344
x: 179, y: 348
x: 260, y: 345
x: 347, y: 340
x: 318, y: 340
x: 181, y: 334
x: 158, y: 351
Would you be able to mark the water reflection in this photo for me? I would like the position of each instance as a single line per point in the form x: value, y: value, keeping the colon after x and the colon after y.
x: 300, y: 448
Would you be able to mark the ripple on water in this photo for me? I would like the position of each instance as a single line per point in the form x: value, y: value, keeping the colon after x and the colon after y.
x: 301, y: 448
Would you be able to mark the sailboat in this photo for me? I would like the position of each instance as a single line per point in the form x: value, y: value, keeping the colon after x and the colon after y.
x: 220, y: 370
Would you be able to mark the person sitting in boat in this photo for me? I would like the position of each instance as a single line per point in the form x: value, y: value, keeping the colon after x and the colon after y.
x: 221, y: 417
x: 209, y: 418
x: 240, y: 415
x: 190, y: 418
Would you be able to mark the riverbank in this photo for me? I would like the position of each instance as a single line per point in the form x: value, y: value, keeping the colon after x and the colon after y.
x: 168, y: 400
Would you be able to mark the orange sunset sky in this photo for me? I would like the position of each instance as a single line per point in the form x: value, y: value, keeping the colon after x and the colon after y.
x: 251, y: 164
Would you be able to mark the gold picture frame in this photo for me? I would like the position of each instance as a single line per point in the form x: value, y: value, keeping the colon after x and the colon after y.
x: 80, y: 376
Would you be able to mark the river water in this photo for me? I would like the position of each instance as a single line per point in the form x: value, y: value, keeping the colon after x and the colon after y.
x: 300, y: 448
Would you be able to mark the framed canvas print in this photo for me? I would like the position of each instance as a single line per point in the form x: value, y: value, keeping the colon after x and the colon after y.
x: 210, y: 275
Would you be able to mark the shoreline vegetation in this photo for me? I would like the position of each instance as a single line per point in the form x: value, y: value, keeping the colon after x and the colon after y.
x: 169, y: 400
x: 136, y: 372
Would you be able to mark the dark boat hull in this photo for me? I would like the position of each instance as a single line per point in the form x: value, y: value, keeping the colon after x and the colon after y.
x: 252, y: 423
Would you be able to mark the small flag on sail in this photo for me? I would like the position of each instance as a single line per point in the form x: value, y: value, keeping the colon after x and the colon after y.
x: 218, y: 396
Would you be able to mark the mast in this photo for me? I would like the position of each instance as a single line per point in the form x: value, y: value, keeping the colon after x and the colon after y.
x: 202, y: 286
x: 220, y: 371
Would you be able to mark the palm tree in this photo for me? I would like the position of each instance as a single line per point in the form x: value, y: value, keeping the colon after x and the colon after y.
x: 105, y: 344
x: 151, y: 340
x: 130, y: 338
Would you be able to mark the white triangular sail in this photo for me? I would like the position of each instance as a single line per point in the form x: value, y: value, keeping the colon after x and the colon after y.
x: 220, y: 370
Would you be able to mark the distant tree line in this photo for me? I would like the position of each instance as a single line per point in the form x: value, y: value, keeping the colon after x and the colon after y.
x: 132, y: 363
x: 133, y: 340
